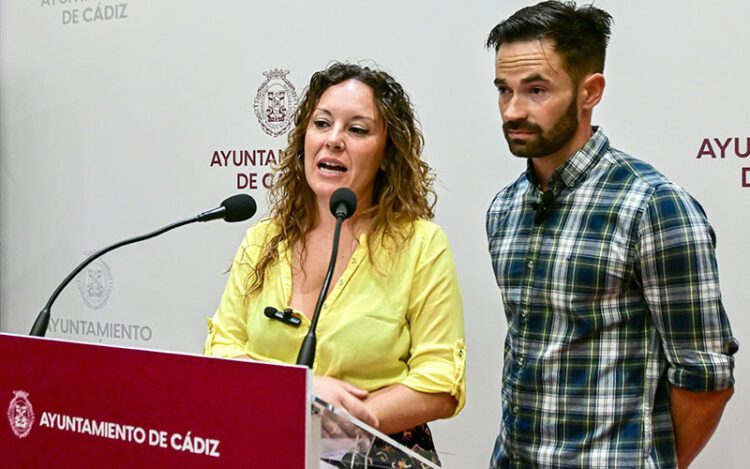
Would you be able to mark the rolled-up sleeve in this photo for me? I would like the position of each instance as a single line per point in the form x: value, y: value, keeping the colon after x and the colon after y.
x: 437, y: 360
x: 680, y: 283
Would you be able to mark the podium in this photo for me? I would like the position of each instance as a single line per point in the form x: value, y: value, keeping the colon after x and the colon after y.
x: 89, y: 405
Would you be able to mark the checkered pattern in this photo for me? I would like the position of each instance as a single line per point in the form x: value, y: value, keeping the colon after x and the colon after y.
x: 611, y: 299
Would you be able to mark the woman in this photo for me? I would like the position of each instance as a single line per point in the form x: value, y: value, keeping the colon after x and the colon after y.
x: 390, y: 335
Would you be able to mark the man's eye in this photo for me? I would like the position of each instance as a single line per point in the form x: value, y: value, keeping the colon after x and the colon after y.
x: 538, y: 90
x: 503, y: 90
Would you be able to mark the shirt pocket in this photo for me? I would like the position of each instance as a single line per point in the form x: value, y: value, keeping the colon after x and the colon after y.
x: 597, y: 284
x: 372, y: 341
x: 596, y: 270
x: 381, y: 331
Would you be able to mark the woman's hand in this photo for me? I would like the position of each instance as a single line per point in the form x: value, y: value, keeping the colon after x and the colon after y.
x: 345, y: 396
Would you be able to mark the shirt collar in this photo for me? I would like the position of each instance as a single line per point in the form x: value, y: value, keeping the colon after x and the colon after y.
x: 575, y: 168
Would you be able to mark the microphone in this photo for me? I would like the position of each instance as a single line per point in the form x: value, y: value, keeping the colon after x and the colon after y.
x: 284, y: 316
x: 343, y: 204
x: 544, y: 207
x: 239, y: 207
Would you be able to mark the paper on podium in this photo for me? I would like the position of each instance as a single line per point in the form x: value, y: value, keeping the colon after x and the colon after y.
x: 347, y: 442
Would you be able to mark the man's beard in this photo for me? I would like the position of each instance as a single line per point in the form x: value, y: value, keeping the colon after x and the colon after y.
x: 544, y: 142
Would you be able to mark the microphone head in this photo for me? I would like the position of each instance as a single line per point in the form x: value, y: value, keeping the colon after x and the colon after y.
x: 343, y: 203
x: 270, y: 312
x: 239, y: 207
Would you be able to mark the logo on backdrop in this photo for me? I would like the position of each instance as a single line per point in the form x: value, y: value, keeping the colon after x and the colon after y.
x: 275, y: 102
x: 274, y: 106
x: 727, y: 148
x: 95, y: 284
x: 20, y: 414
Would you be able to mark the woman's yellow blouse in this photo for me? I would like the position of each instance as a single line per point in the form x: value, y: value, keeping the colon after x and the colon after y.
x: 398, y: 321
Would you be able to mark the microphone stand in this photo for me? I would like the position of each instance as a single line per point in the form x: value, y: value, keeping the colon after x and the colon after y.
x: 239, y: 207
x: 39, y: 329
x: 306, y: 355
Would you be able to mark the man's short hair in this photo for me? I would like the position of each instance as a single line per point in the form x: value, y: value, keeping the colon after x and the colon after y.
x: 579, y: 34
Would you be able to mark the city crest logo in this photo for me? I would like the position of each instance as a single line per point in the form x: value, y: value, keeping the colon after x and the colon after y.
x: 95, y: 284
x: 20, y: 414
x: 275, y: 102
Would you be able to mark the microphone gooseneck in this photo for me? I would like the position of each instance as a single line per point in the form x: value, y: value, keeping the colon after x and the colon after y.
x: 232, y: 209
x: 343, y: 204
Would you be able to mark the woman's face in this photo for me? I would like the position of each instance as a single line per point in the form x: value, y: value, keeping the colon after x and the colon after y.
x: 345, y: 142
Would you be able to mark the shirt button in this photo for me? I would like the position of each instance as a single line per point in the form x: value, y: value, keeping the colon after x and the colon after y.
x: 516, y: 409
x: 520, y: 361
x: 524, y: 313
x: 530, y: 264
x: 341, y: 282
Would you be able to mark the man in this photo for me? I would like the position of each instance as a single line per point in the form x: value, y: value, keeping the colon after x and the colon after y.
x: 618, y: 352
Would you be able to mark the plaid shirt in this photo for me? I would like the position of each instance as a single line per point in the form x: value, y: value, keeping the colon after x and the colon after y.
x: 610, y: 299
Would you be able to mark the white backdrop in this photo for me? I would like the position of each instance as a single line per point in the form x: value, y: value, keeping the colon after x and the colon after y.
x: 111, y: 111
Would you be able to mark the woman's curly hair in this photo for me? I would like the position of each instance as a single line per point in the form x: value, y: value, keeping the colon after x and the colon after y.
x: 403, y: 186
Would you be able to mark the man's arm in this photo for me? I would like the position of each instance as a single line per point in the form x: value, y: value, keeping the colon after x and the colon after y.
x: 681, y: 285
x: 695, y: 416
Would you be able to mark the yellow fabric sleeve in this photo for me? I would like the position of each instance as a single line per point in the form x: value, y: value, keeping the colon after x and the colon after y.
x: 435, y: 315
x: 227, y: 330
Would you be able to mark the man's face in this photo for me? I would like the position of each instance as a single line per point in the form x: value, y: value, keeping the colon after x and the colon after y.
x: 538, y: 100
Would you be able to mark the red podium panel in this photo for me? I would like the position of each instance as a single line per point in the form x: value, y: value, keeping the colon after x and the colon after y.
x: 86, y: 405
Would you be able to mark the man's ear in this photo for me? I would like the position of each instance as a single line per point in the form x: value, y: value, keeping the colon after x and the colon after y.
x: 591, y: 90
